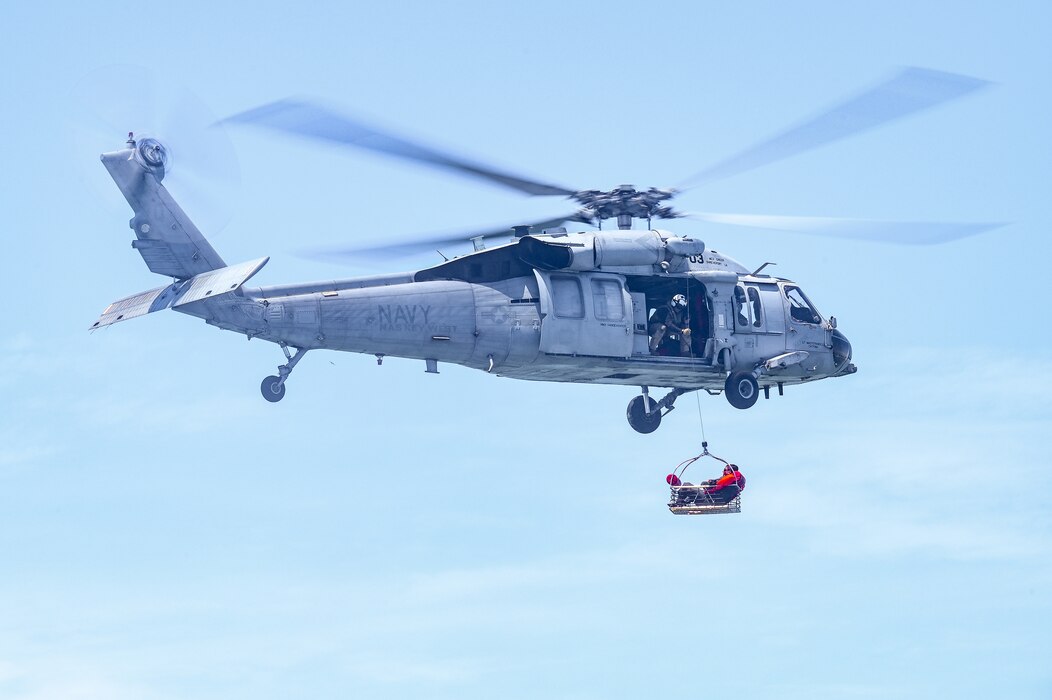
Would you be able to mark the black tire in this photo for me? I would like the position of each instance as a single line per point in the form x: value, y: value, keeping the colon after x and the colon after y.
x: 639, y: 419
x: 742, y: 390
x: 273, y: 389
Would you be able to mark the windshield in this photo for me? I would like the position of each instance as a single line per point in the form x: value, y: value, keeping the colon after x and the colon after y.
x: 801, y: 309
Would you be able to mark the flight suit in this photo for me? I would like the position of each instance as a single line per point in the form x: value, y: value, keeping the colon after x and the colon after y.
x: 670, y: 319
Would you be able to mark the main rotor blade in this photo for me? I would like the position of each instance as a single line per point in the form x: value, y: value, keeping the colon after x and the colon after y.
x: 911, y: 90
x: 910, y: 232
x: 429, y: 242
x: 316, y: 122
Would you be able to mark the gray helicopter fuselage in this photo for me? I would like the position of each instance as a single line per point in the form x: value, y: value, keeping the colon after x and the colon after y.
x: 545, y: 325
x: 557, y: 306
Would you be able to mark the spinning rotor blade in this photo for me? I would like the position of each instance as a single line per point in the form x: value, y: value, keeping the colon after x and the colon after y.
x: 428, y: 242
x: 312, y: 121
x: 911, y: 90
x: 910, y: 232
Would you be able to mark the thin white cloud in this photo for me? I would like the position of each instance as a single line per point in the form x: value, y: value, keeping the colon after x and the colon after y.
x: 383, y: 669
x: 138, y: 414
x: 57, y: 678
x: 939, y: 456
x: 21, y: 456
x: 967, y: 380
x: 579, y: 569
x: 936, y: 495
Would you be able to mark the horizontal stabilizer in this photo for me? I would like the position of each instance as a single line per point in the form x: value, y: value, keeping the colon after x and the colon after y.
x: 221, y: 281
x: 203, y: 286
x: 136, y: 305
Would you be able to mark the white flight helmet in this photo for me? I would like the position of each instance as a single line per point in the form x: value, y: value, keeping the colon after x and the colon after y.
x: 679, y: 301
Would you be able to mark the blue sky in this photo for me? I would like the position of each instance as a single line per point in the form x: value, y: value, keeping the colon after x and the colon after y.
x: 165, y: 533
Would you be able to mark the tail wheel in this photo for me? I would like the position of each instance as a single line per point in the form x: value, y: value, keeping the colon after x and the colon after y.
x: 742, y: 390
x: 273, y: 389
x: 638, y: 417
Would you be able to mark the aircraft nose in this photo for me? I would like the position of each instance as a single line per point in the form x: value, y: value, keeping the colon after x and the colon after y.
x: 842, y: 354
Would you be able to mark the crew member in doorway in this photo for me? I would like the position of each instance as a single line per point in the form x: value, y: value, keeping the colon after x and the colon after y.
x: 670, y: 327
x: 727, y: 487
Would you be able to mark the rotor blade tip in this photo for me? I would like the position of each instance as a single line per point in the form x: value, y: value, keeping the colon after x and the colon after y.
x: 930, y: 77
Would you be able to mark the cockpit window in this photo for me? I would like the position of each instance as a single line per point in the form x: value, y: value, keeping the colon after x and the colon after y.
x: 800, y: 308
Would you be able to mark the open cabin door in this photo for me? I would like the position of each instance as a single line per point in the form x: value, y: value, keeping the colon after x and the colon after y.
x: 585, y: 313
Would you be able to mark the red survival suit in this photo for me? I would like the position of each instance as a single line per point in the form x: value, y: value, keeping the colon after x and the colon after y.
x: 728, y: 486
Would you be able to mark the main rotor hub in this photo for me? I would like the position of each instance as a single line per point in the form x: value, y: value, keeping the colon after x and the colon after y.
x: 625, y: 203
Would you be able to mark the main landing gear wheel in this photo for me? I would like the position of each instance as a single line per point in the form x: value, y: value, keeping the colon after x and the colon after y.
x: 639, y: 419
x: 273, y: 389
x: 742, y: 390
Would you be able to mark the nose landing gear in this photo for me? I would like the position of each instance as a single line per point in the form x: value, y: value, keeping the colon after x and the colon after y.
x: 273, y: 387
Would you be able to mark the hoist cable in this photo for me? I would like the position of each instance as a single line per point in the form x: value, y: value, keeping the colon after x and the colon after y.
x: 701, y: 419
x: 693, y: 358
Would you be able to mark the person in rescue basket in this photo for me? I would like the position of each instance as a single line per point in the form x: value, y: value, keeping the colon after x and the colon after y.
x: 684, y: 496
x: 727, y: 487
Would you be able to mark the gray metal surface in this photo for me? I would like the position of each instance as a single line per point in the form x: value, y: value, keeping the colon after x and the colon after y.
x: 216, y: 282
x: 136, y: 305
x: 168, y: 241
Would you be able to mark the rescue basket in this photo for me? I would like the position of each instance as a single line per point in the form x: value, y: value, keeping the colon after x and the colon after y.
x: 693, y: 499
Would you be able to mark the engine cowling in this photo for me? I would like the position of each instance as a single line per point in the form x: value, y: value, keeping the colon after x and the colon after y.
x: 605, y: 250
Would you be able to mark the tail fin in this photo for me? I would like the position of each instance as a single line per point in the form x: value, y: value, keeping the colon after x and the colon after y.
x: 165, y: 237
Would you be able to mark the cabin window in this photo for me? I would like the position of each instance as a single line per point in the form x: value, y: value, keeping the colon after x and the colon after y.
x: 748, y: 309
x: 800, y: 308
x: 607, y: 300
x: 567, y: 298
x: 740, y: 319
x: 756, y: 307
x: 742, y: 310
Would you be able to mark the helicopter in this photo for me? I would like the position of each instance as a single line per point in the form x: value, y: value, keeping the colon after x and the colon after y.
x: 551, y: 304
